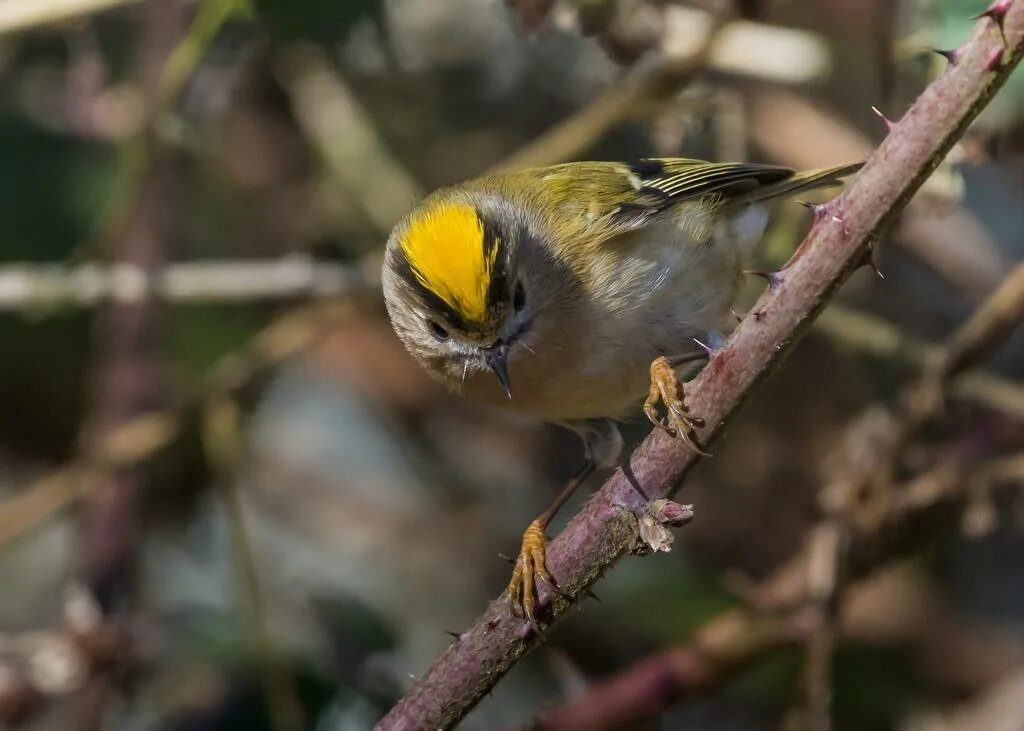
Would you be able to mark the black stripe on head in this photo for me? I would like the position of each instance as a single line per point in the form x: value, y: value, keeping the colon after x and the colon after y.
x: 498, y: 293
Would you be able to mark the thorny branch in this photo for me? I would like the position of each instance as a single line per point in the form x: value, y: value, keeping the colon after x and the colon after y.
x: 800, y: 602
x: 844, y: 231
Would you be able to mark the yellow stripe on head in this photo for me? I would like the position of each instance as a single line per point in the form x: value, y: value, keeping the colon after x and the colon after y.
x: 446, y: 251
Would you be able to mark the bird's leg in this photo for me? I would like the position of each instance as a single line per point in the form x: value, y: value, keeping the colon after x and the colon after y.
x: 667, y: 389
x: 529, y: 565
x: 602, y: 446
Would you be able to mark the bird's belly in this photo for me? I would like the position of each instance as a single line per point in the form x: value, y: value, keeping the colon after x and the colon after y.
x: 604, y: 375
x: 566, y: 393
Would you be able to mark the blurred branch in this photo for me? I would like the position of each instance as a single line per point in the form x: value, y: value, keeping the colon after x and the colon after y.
x: 222, y: 440
x: 874, y: 336
x: 780, y: 613
x: 861, y: 494
x: 605, y: 529
x: 576, y: 134
x: 690, y: 42
x: 187, y: 54
x: 18, y: 16
x: 353, y: 152
x: 714, y: 656
x: 31, y: 286
x: 141, y: 438
x: 161, y: 83
x: 127, y: 371
x: 826, y: 548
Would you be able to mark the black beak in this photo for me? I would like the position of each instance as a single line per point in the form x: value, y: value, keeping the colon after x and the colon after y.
x: 497, y: 360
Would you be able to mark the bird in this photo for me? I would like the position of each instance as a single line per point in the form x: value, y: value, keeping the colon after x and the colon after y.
x: 573, y: 294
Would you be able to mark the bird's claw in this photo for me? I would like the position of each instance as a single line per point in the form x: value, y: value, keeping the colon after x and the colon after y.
x: 529, y: 567
x: 678, y: 422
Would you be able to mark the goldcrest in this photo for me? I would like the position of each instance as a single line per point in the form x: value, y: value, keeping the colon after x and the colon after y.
x: 569, y: 293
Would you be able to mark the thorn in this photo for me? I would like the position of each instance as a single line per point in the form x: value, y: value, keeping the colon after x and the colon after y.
x: 953, y: 57
x: 995, y: 61
x: 492, y: 623
x: 818, y: 210
x: 594, y: 596
x: 456, y: 635
x: 736, y: 316
x: 507, y: 558
x: 774, y: 279
x: 704, y: 346
x: 889, y: 124
x: 869, y: 261
x: 997, y: 14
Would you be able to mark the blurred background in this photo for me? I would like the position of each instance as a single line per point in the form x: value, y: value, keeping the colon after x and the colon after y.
x: 229, y: 500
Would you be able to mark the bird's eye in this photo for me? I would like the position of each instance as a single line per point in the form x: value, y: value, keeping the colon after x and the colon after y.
x: 437, y: 331
x: 519, y: 299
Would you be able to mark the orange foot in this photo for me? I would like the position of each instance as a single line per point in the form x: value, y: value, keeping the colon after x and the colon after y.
x: 666, y: 389
x: 522, y: 589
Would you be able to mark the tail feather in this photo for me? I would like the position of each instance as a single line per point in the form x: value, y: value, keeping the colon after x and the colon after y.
x: 801, y: 181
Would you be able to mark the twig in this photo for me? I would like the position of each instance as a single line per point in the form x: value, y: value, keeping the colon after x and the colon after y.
x: 605, y: 529
x: 40, y: 287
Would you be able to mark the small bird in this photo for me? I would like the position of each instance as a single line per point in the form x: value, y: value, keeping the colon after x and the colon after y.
x: 571, y: 292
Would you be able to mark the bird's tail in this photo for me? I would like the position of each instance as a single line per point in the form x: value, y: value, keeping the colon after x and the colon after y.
x: 804, y: 180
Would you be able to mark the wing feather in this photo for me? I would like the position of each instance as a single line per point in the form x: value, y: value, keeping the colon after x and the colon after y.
x: 589, y: 203
x: 684, y: 179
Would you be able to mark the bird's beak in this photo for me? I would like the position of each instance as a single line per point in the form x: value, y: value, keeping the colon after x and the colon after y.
x: 497, y: 360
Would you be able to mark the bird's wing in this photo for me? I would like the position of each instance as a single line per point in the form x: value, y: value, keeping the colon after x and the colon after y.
x: 659, y: 184
x: 590, y: 203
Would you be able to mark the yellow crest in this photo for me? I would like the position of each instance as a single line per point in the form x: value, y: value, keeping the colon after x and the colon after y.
x: 446, y: 251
